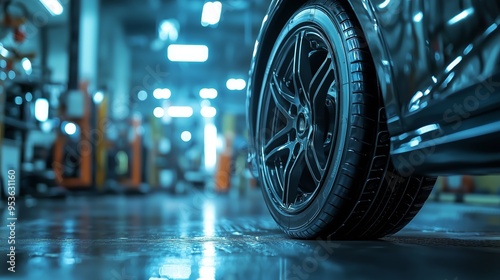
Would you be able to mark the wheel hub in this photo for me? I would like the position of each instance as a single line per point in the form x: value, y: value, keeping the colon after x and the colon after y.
x: 303, y: 124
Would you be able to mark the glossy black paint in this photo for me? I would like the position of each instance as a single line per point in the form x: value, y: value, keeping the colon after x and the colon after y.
x: 438, y: 70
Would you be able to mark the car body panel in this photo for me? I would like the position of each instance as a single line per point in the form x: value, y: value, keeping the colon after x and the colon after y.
x: 437, y: 64
x: 437, y: 51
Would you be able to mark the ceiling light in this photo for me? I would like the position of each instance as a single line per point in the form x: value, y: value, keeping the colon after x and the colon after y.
x: 169, y: 30
x: 53, y: 6
x: 166, y: 93
x: 157, y: 93
x: 208, y: 112
x: 208, y: 93
x: 180, y: 111
x: 159, y: 112
x: 187, y: 53
x: 98, y: 97
x: 41, y: 109
x: 418, y: 17
x: 70, y: 128
x: 211, y: 13
x: 236, y: 84
x: 162, y: 93
x: 186, y: 136
x: 26, y: 63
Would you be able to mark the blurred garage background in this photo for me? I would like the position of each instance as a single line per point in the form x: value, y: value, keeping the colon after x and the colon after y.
x: 124, y: 121
x: 125, y: 95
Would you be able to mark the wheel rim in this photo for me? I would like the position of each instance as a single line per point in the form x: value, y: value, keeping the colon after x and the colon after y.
x: 299, y: 118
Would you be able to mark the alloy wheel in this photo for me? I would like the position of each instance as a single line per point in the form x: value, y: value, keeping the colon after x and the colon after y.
x: 299, y: 121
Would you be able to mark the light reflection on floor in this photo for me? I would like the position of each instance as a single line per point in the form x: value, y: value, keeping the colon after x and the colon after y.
x: 233, y: 237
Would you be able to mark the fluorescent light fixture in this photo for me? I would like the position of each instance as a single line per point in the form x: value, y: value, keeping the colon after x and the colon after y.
x: 208, y: 93
x: 210, y: 147
x: 42, y: 109
x: 70, y: 128
x: 187, y: 53
x: 236, y: 84
x: 166, y: 93
x: 98, y: 97
x: 186, y: 136
x: 53, y: 6
x: 26, y: 63
x: 180, y: 111
x: 157, y: 93
x: 208, y: 112
x: 211, y: 13
x: 142, y: 95
x: 162, y: 93
x: 169, y: 30
x: 159, y: 112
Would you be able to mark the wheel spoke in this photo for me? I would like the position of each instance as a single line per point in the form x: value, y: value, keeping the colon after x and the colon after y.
x: 321, y: 82
x: 282, y: 99
x: 302, y: 74
x: 292, y: 174
x: 315, y: 161
x: 278, y: 145
x: 283, y: 91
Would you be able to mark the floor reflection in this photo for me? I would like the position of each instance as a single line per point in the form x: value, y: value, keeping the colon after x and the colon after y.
x: 231, y: 237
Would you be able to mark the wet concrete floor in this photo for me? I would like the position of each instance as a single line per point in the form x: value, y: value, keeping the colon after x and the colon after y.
x: 205, y: 236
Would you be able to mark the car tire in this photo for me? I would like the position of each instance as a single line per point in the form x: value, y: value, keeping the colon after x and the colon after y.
x: 321, y: 137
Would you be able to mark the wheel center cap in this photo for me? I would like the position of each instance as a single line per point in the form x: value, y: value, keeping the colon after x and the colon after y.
x: 302, y: 124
